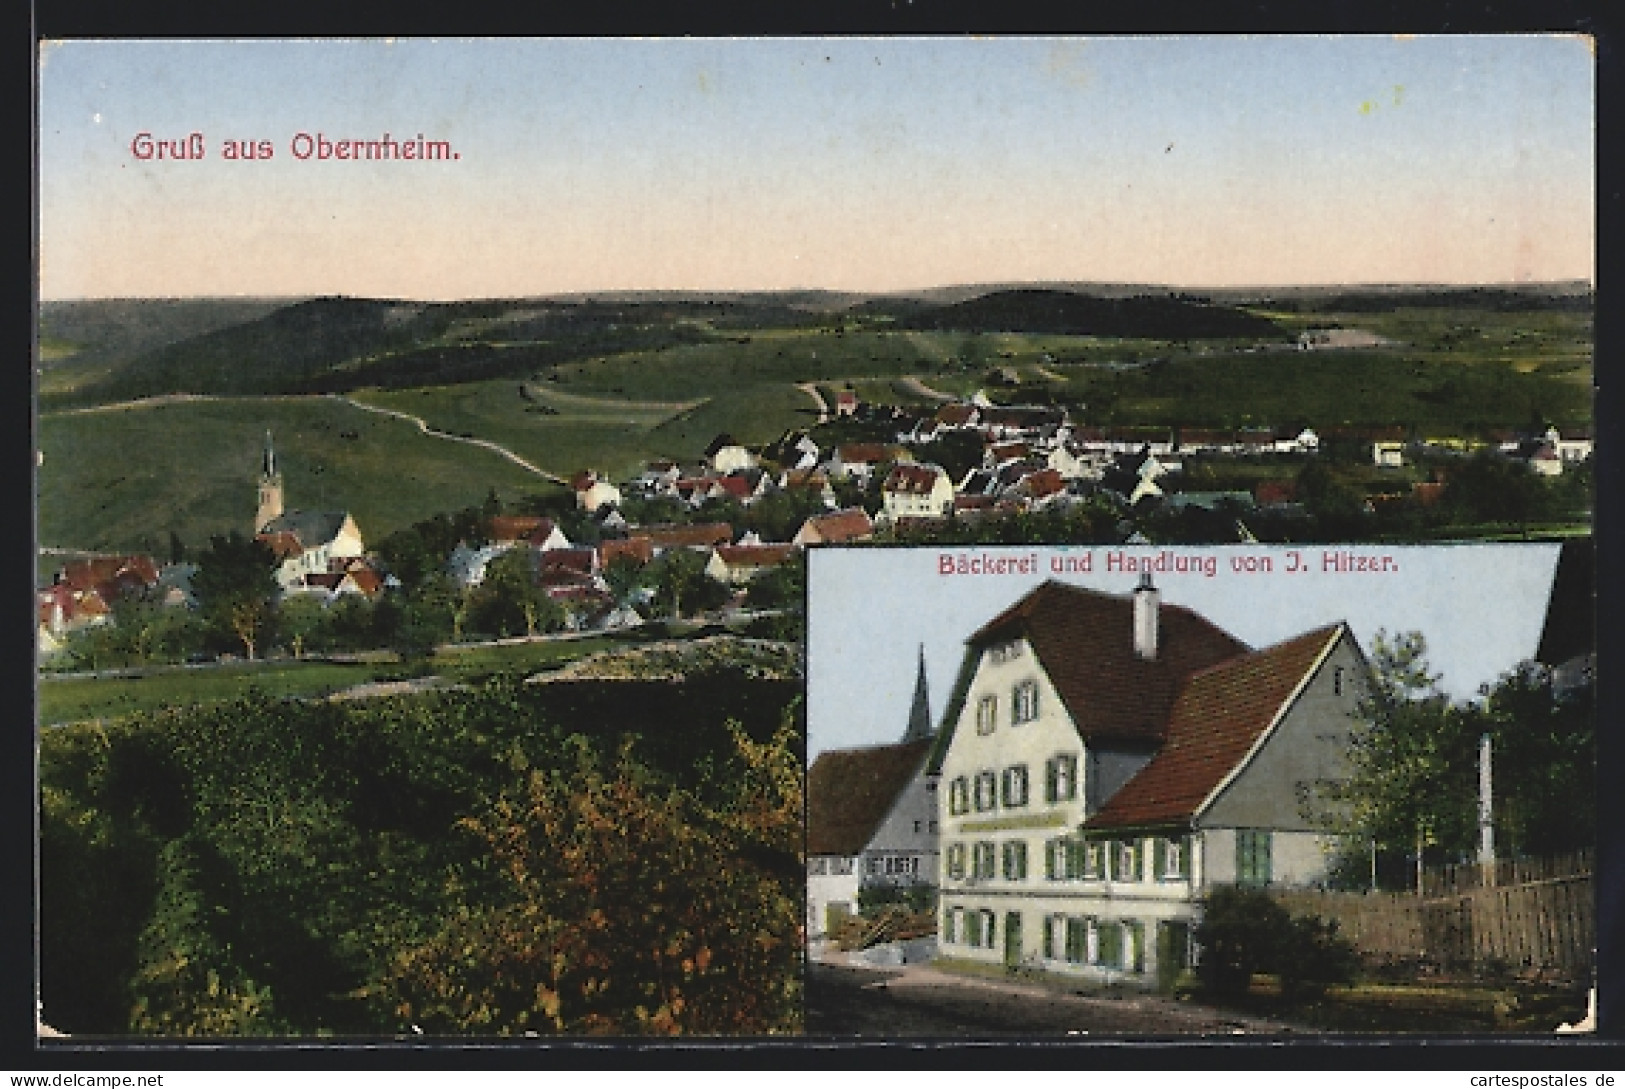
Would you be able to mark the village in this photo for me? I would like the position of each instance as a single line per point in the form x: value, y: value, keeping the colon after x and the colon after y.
x: 969, y: 470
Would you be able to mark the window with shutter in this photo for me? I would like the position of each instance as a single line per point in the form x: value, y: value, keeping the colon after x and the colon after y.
x: 1134, y: 940
x: 958, y: 796
x: 956, y: 861
x: 987, y: 791
x: 1015, y: 860
x: 1094, y: 860
x: 1253, y: 857
x: 1111, y: 945
x: 987, y: 714
x: 1015, y: 786
x: 1024, y: 702
x: 1076, y: 941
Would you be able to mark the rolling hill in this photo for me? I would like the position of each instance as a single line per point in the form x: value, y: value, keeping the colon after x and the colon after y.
x: 1166, y: 318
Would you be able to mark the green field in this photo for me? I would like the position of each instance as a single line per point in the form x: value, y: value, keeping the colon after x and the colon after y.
x: 124, y: 479
x: 1326, y: 389
x: 75, y: 699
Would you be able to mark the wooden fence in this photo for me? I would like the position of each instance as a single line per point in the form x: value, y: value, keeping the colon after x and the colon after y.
x: 1544, y: 923
x: 1467, y: 876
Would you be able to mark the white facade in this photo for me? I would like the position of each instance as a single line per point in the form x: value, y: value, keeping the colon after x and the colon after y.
x: 1024, y: 879
x: 832, y: 880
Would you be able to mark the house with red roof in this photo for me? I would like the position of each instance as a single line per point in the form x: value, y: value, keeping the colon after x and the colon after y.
x: 912, y: 490
x: 738, y: 564
x: 836, y: 527
x: 1106, y: 760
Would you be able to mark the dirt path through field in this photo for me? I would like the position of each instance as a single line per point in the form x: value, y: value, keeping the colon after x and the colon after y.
x: 423, y: 426
x: 818, y: 398
x: 914, y: 385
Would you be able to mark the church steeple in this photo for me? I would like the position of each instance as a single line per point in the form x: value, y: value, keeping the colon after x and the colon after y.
x: 270, y: 488
x: 919, y: 716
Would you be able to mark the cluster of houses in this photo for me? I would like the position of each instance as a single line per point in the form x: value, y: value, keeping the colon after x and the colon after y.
x: 83, y: 592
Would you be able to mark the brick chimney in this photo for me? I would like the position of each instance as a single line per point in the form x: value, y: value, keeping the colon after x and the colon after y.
x: 1147, y: 604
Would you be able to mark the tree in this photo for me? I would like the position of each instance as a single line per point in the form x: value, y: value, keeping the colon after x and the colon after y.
x: 781, y: 587
x: 1545, y: 763
x: 302, y: 621
x: 235, y: 584
x: 1489, y: 487
x: 1415, y: 782
x: 612, y: 914
x: 681, y: 584
x: 508, y: 600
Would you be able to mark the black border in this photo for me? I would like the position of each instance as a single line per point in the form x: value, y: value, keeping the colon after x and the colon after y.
x: 482, y: 18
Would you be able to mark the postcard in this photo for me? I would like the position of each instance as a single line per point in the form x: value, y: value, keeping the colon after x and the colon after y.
x: 656, y: 537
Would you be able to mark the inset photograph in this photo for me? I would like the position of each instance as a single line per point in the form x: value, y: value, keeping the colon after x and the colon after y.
x: 1146, y: 792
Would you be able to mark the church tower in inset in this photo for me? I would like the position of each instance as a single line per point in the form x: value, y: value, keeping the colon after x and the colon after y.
x: 270, y: 489
x: 919, y: 715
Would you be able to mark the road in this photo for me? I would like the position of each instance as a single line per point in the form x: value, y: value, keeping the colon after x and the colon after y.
x: 917, y: 1000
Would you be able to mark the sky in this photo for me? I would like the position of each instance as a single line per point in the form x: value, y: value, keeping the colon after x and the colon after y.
x: 871, y: 611
x: 861, y: 164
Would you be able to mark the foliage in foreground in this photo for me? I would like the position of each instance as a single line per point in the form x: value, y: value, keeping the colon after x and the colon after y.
x: 1244, y: 931
x: 625, y: 907
x: 272, y: 867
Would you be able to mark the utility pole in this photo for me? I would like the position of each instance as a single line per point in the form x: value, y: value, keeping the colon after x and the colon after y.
x: 1486, y: 827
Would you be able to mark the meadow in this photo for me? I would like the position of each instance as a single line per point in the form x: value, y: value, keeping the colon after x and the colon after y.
x: 64, y: 699
x: 125, y: 478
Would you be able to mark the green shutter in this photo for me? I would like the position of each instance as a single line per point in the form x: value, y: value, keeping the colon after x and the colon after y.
x: 1111, y: 945
x: 1159, y: 857
x: 1187, y: 845
x: 1049, y: 939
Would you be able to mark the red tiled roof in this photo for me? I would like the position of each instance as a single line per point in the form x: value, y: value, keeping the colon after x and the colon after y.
x: 1085, y: 641
x: 1220, y: 714
x: 88, y: 573
x: 515, y: 527
x: 1275, y: 491
x: 736, y: 486
x: 850, y: 791
x: 912, y: 479
x: 368, y: 581
x: 283, y: 544
x: 1005, y: 451
x: 834, y: 528
x: 955, y: 415
x: 862, y: 453
x: 703, y: 535
x: 639, y: 550
x: 1043, y: 482
x: 569, y: 559
x: 763, y: 555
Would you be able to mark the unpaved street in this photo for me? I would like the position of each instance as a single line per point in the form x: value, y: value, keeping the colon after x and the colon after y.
x: 916, y: 1000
